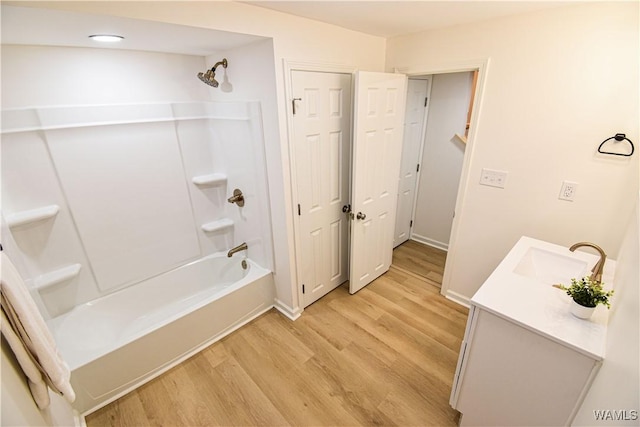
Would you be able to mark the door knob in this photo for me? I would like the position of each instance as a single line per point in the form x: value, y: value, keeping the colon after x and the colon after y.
x: 346, y: 208
x: 360, y: 215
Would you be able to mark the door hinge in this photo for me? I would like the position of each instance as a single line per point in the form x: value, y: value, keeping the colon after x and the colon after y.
x: 425, y: 101
x: 298, y: 209
x: 410, y: 223
x: 418, y: 168
x: 303, y: 289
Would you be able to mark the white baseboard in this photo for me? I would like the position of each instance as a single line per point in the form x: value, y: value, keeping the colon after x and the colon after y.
x: 283, y: 308
x: 458, y: 298
x: 429, y: 242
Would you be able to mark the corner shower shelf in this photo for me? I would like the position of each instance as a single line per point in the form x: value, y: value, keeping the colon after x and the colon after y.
x: 55, y: 277
x: 212, y: 179
x: 220, y: 224
x: 34, y: 215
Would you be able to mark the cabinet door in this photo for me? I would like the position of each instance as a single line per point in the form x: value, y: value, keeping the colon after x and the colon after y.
x: 513, y: 376
x: 463, y: 355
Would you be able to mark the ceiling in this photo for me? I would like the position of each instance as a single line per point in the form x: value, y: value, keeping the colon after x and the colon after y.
x: 395, y: 18
x: 33, y: 26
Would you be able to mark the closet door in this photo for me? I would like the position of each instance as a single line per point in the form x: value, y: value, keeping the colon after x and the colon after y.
x: 322, y: 152
x: 378, y: 129
x: 414, y: 123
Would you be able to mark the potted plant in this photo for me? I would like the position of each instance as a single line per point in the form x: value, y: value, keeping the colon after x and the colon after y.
x: 587, y: 293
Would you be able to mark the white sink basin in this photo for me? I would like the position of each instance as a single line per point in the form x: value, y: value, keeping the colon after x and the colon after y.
x: 550, y: 267
x: 519, y: 290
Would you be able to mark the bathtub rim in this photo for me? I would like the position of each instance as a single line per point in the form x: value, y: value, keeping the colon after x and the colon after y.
x: 255, y: 272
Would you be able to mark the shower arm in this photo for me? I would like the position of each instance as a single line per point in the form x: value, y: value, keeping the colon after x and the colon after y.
x: 223, y: 63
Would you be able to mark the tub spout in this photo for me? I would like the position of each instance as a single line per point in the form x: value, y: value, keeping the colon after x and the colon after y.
x: 240, y: 247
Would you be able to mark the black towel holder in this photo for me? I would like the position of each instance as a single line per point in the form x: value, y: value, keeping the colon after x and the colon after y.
x: 618, y: 137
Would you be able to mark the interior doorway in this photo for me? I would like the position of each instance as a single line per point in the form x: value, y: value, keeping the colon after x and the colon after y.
x: 434, y: 274
x: 446, y: 119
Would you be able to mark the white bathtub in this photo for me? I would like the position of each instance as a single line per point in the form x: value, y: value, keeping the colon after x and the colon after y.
x: 117, y: 343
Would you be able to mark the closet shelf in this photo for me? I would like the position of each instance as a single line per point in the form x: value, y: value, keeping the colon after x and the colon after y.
x: 211, y: 179
x: 34, y: 215
x: 460, y: 138
x: 220, y: 224
x: 55, y: 277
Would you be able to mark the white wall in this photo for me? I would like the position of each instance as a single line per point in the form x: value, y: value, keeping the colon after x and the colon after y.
x: 617, y: 386
x: 558, y: 82
x: 296, y: 39
x: 79, y: 76
x: 442, y: 157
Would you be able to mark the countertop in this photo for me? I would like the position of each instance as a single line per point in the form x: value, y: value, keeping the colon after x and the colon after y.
x: 535, y: 304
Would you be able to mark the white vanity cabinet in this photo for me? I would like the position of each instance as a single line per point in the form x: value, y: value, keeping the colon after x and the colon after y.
x: 525, y: 360
x: 512, y: 376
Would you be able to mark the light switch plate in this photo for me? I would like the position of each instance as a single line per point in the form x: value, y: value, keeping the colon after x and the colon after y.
x: 493, y: 178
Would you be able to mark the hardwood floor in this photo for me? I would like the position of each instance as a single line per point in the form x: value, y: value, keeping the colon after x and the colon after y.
x: 420, y: 259
x: 384, y: 356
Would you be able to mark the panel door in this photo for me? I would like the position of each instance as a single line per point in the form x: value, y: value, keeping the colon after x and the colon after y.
x: 415, y: 114
x: 378, y: 129
x: 322, y: 156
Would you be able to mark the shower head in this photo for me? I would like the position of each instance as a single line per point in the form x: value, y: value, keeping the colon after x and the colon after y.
x: 208, y: 77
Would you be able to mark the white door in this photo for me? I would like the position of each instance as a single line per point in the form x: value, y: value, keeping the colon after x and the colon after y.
x: 415, y: 115
x: 377, y: 146
x: 322, y: 155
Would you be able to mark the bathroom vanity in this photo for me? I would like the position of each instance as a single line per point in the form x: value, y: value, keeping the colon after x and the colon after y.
x: 525, y: 360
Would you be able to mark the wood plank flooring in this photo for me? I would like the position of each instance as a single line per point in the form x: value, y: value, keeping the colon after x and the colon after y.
x: 420, y: 259
x: 384, y: 356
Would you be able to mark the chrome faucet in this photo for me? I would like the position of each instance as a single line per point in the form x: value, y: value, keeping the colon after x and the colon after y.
x: 596, y: 271
x: 240, y: 247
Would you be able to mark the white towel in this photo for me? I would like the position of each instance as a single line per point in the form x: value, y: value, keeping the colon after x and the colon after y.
x: 30, y: 339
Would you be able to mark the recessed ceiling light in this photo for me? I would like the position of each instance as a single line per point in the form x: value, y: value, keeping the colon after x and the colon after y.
x: 106, y: 38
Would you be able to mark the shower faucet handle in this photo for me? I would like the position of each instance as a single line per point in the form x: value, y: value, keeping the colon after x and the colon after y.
x: 237, y: 198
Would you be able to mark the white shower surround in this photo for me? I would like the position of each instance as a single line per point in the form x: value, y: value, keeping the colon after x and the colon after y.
x: 96, y: 163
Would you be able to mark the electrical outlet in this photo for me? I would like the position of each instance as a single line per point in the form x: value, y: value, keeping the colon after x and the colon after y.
x: 568, y: 190
x: 493, y: 178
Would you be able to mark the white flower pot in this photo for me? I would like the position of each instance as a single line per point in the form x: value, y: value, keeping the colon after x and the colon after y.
x: 581, y: 311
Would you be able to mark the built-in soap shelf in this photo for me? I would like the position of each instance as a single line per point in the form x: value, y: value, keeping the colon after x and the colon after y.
x: 218, y: 225
x: 209, y: 180
x: 55, y: 277
x: 32, y: 216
